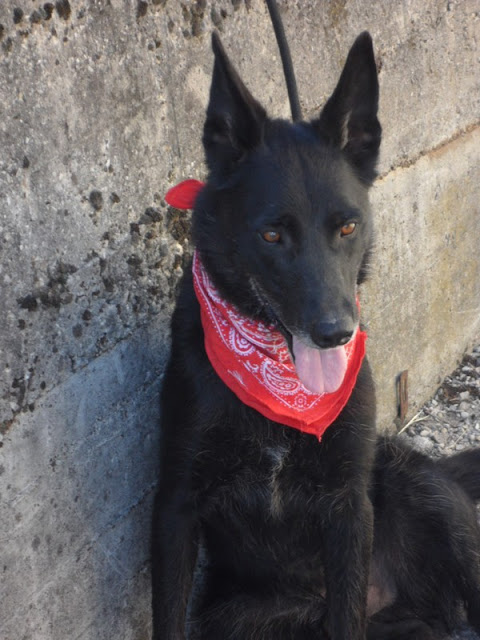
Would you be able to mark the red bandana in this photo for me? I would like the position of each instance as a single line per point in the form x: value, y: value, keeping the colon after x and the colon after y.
x: 253, y: 359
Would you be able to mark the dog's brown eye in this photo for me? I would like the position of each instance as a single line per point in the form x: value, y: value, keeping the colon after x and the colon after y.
x: 271, y: 236
x: 348, y: 229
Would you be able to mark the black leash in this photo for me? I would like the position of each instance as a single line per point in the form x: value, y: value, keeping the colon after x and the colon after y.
x: 286, y: 60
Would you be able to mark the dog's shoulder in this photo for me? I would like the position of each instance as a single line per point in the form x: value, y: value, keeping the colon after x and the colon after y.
x: 190, y: 380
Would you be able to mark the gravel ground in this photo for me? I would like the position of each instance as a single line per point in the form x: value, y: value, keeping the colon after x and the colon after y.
x: 450, y: 422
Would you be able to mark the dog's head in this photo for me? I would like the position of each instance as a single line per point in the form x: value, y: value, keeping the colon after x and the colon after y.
x: 283, y: 225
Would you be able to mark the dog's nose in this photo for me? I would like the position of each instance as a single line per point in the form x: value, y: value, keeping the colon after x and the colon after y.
x: 328, y: 335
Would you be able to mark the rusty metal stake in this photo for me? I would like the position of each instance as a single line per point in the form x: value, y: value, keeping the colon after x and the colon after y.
x: 402, y: 398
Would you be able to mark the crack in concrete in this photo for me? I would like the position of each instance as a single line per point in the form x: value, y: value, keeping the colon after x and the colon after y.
x: 409, y: 162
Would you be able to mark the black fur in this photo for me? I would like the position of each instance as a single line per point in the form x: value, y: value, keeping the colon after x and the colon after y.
x: 288, y: 522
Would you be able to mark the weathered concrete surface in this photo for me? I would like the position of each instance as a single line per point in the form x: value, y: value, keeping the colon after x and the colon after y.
x: 101, y: 108
x: 423, y: 299
x: 76, y: 479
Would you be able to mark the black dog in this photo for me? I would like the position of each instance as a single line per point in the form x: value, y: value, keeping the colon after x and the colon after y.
x: 283, y: 230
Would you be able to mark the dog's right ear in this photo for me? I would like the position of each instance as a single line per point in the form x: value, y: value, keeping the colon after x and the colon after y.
x: 235, y: 120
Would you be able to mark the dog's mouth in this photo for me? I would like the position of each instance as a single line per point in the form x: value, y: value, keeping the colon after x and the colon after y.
x: 319, y: 370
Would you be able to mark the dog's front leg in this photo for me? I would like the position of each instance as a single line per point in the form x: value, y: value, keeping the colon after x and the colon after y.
x: 347, y: 545
x: 175, y: 530
x: 174, y: 553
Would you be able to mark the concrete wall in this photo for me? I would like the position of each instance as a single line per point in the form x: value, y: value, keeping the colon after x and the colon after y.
x: 101, y: 107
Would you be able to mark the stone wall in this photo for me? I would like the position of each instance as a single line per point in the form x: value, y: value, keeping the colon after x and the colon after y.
x: 101, y: 109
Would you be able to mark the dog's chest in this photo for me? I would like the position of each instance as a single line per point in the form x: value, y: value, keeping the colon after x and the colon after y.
x: 271, y: 483
x: 262, y: 508
x: 278, y: 456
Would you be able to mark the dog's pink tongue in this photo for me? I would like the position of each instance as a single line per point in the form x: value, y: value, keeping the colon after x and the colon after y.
x: 319, y: 370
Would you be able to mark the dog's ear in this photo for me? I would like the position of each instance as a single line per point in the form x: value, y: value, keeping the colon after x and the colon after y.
x: 235, y: 120
x: 349, y: 118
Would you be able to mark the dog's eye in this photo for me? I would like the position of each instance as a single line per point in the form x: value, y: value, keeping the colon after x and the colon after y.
x: 271, y: 236
x: 348, y: 229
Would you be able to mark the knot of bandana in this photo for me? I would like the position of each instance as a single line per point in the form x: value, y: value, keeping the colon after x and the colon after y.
x: 253, y: 358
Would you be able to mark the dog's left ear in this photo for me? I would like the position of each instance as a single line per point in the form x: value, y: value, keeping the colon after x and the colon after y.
x: 235, y: 120
x: 349, y: 118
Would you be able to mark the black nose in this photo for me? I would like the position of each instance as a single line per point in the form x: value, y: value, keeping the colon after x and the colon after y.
x: 328, y: 335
